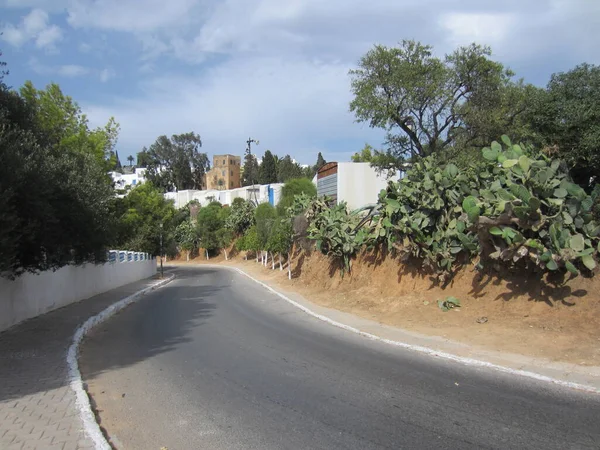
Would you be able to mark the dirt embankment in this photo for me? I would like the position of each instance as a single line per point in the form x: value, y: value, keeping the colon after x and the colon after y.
x: 556, y: 319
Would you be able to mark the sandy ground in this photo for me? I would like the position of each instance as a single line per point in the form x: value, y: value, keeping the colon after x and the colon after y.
x: 558, y: 320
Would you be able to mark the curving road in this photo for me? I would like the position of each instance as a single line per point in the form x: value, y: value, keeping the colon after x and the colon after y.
x: 214, y: 361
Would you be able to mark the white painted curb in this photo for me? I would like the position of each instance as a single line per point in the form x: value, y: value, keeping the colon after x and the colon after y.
x: 425, y: 350
x: 90, y: 426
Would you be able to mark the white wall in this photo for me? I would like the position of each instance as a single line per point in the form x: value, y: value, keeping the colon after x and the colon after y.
x: 31, y: 295
x: 359, y: 184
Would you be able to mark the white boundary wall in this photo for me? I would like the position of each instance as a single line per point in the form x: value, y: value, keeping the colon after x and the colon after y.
x: 31, y: 295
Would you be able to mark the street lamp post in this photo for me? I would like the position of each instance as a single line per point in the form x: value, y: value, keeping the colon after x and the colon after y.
x: 161, y: 251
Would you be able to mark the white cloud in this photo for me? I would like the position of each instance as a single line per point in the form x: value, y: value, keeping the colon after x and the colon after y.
x: 489, y: 28
x: 267, y: 98
x: 66, y: 70
x: 72, y: 70
x: 130, y: 16
x: 34, y: 27
x: 106, y: 74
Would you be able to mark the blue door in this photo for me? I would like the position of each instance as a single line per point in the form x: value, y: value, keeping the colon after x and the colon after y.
x: 271, y: 196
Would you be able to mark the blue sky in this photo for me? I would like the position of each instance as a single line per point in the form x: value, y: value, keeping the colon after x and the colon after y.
x: 270, y: 69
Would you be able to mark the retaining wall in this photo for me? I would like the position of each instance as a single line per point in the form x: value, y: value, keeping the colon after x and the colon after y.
x: 31, y: 295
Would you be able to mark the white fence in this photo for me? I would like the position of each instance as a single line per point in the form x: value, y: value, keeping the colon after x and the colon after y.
x: 31, y: 295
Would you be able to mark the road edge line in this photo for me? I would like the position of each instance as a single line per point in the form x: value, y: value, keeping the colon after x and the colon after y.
x: 425, y: 350
x: 82, y: 402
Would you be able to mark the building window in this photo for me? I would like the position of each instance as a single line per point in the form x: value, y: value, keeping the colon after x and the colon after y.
x: 231, y: 171
x: 231, y: 161
x: 231, y: 184
x: 223, y: 162
x: 223, y: 173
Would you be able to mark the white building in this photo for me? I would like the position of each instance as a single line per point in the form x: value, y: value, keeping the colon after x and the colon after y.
x: 257, y: 194
x: 357, y: 184
x: 124, y: 180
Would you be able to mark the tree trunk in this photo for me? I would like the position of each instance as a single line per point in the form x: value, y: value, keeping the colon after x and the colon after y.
x: 280, y: 265
x: 187, y: 256
x: 225, y: 251
x: 272, y: 261
x: 289, y: 266
x: 207, y: 255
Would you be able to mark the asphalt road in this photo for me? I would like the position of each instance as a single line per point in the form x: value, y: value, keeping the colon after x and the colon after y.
x: 214, y: 361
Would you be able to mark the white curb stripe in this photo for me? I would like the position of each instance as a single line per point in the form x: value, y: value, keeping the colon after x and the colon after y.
x: 90, y: 426
x: 426, y: 350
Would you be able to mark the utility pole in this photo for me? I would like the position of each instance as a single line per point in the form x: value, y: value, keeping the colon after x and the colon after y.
x: 161, y: 251
x: 249, y: 152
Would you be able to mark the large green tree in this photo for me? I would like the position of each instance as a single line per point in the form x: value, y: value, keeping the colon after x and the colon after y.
x: 267, y: 172
x: 288, y: 169
x: 61, y: 125
x: 176, y: 163
x: 427, y: 103
x: 139, y: 217
x: 568, y: 119
x: 56, y: 194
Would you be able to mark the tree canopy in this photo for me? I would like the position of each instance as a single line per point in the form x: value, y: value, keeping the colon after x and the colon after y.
x: 568, y: 119
x: 250, y: 172
x: 56, y: 194
x: 427, y: 103
x: 267, y: 172
x: 293, y: 188
x: 176, y: 163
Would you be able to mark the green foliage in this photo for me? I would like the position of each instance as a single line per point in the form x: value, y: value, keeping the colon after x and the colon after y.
x: 365, y: 155
x: 265, y: 216
x: 267, y: 172
x: 241, y: 217
x: 176, y: 163
x: 293, y: 188
x: 210, y: 220
x: 426, y: 103
x: 517, y: 207
x: 449, y: 303
x: 186, y: 236
x: 139, y: 216
x: 250, y: 172
x: 56, y: 194
x: 333, y: 229
x: 288, y: 169
x: 250, y: 240
x: 320, y: 162
x: 568, y: 118
x: 281, y: 237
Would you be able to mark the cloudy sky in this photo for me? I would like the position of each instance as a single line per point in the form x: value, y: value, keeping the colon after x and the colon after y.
x: 275, y: 70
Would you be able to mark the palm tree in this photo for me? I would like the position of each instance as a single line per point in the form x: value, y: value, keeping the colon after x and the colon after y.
x: 130, y: 159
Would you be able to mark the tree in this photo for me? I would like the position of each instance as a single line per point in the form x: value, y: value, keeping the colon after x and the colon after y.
x: 265, y: 215
x: 293, y: 188
x: 176, y: 162
x: 241, y: 217
x: 55, y: 198
x: 61, y: 125
x: 568, y: 119
x: 250, y: 174
x: 130, y: 160
x: 224, y: 238
x: 267, y: 173
x: 320, y: 162
x: 210, y: 220
x: 143, y: 159
x: 288, y: 169
x: 281, y: 239
x: 365, y: 155
x: 186, y: 236
x: 425, y: 102
x: 139, y: 216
